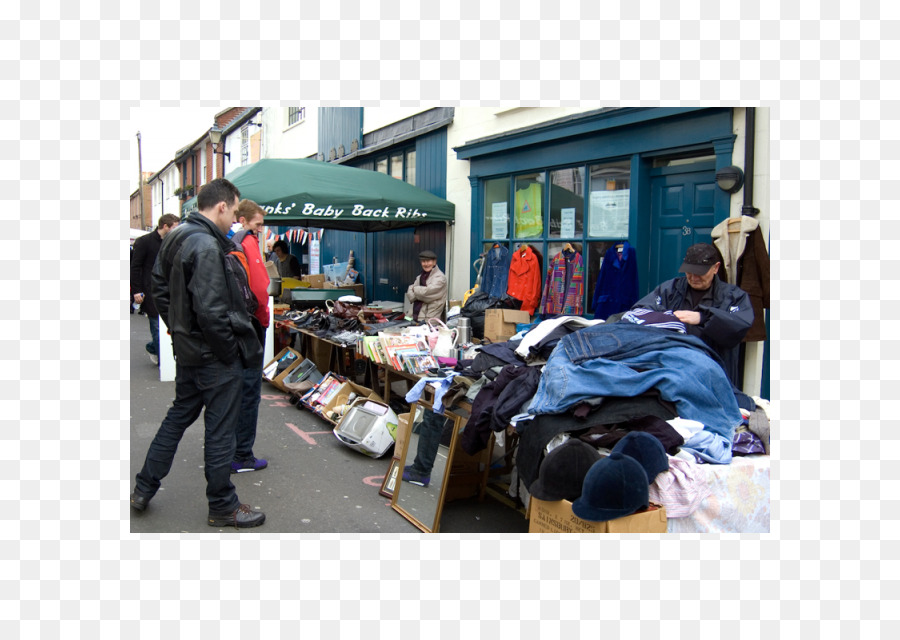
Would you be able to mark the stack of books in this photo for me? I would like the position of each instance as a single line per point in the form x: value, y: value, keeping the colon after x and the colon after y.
x: 403, y: 353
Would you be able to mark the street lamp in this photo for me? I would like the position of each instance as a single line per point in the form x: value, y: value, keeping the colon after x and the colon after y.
x: 215, y: 136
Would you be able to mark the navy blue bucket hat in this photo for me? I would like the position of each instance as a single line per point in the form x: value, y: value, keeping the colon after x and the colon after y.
x: 614, y: 487
x: 647, y: 450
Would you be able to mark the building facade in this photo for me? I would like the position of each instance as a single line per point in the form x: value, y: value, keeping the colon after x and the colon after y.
x: 587, y: 177
x: 135, y: 220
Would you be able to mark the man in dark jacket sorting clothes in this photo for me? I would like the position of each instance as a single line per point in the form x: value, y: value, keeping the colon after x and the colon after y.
x: 713, y: 310
x: 198, y: 299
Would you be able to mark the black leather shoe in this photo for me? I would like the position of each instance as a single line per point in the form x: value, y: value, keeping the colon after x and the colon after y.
x: 139, y: 502
x: 241, y: 518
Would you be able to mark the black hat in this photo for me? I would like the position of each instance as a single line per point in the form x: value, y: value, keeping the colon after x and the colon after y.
x: 647, y: 450
x: 562, y: 471
x: 427, y: 254
x: 614, y: 487
x: 699, y: 258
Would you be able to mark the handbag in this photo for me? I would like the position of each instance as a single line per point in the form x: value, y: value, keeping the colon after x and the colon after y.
x: 343, y: 309
x: 442, y: 340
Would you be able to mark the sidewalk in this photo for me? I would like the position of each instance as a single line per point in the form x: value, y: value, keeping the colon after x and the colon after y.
x: 314, y: 484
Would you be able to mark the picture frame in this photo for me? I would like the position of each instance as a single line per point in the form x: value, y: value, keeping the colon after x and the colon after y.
x: 391, y: 478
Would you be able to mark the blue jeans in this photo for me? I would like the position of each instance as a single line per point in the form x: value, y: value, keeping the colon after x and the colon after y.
x: 215, y: 386
x: 251, y: 388
x: 626, y: 360
x: 152, y: 347
x: 429, y: 439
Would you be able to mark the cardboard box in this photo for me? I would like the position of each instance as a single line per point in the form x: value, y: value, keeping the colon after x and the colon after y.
x: 557, y: 517
x: 342, y: 396
x: 316, y: 281
x: 500, y: 324
x: 276, y: 380
x: 352, y: 289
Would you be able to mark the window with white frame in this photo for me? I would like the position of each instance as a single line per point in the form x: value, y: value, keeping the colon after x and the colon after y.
x: 295, y: 115
x: 245, y: 143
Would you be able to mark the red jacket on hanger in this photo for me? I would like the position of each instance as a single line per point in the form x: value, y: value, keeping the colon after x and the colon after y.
x: 525, y: 279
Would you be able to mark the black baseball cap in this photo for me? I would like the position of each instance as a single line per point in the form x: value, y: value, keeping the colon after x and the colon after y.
x: 699, y: 258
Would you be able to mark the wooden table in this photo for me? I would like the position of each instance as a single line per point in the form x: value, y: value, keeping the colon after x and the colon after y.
x: 325, y: 354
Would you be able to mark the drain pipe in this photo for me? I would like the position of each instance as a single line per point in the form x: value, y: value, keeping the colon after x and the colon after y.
x: 749, y: 146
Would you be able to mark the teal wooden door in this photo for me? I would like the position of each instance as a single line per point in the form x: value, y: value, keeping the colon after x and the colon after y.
x: 682, y: 212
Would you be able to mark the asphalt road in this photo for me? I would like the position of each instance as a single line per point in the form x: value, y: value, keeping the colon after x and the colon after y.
x: 314, y: 484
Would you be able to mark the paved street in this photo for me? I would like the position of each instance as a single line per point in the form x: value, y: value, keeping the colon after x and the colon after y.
x: 314, y: 484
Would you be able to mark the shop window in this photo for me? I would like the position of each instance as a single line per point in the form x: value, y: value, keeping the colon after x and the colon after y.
x: 411, y: 166
x: 496, y: 209
x: 567, y: 203
x: 381, y: 165
x: 610, y: 192
x: 397, y: 165
x: 529, y: 211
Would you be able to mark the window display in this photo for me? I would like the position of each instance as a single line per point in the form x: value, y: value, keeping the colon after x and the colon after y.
x: 609, y: 200
x: 529, y: 206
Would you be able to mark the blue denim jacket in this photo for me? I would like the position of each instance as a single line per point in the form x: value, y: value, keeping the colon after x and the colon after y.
x: 496, y: 271
x: 627, y: 360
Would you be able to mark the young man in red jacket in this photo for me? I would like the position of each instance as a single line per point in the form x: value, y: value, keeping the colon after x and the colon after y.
x: 251, y: 217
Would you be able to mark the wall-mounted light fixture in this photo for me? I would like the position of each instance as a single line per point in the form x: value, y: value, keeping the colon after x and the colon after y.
x: 215, y: 136
x: 730, y: 179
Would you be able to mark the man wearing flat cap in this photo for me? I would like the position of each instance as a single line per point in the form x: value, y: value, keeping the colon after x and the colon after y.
x: 711, y: 309
x: 427, y: 295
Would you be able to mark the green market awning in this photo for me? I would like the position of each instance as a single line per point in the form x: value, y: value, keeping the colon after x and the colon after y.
x: 310, y: 193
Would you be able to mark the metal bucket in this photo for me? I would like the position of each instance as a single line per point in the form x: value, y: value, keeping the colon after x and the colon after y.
x: 274, y: 287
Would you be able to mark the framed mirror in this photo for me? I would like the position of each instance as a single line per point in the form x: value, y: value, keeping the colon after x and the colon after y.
x: 428, y: 451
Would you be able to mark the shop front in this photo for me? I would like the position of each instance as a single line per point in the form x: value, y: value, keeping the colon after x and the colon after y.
x: 618, y: 179
x: 645, y: 176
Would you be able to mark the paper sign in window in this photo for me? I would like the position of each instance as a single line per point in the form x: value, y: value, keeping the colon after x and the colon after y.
x: 609, y: 214
x: 499, y: 221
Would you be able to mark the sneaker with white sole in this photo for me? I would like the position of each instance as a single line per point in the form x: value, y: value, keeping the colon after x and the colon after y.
x: 412, y: 476
x: 154, y: 358
x: 251, y: 464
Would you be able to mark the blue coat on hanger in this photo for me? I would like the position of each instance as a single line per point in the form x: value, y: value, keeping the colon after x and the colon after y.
x: 617, y: 285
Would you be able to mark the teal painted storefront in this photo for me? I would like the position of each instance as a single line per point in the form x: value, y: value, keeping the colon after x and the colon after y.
x: 656, y: 145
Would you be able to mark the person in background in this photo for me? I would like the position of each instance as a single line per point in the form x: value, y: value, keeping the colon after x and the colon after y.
x: 711, y: 309
x: 143, y: 256
x: 427, y: 296
x: 213, y: 339
x: 251, y: 218
x: 287, y: 264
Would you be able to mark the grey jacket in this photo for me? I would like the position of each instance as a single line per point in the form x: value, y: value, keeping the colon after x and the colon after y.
x: 433, y: 295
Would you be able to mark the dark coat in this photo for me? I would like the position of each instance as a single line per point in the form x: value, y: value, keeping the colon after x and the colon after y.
x: 143, y: 256
x: 753, y: 277
x: 198, y: 298
x: 725, y: 319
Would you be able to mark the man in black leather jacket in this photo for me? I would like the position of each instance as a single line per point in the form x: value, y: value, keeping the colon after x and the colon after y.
x: 213, y: 340
x: 711, y: 309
